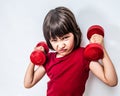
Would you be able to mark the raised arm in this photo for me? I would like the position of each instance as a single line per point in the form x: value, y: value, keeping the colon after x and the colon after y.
x: 104, y: 70
x: 32, y: 76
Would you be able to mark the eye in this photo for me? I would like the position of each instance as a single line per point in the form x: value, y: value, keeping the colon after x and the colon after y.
x: 65, y: 38
x: 53, y: 40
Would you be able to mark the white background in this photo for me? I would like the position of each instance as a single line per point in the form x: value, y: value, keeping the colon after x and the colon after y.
x: 21, y: 28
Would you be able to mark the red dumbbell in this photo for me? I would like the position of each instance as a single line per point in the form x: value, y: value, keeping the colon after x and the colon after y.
x: 94, y: 51
x: 38, y: 57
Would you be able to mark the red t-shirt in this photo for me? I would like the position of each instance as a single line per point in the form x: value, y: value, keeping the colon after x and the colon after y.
x: 68, y: 74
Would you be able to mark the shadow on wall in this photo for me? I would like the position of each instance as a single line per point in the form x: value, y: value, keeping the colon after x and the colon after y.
x: 91, y: 16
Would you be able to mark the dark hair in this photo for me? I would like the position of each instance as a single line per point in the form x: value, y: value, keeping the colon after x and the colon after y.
x: 58, y: 22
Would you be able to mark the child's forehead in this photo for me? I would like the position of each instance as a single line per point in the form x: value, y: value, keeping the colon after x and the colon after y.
x: 58, y: 34
x: 59, y: 37
x: 55, y: 37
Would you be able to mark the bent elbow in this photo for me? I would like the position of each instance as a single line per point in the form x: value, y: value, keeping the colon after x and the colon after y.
x: 27, y: 85
x: 112, y: 84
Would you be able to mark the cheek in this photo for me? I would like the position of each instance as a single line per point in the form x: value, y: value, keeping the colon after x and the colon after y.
x: 53, y: 45
x: 71, y: 43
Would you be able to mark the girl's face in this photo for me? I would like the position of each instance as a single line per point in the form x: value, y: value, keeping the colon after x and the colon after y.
x: 63, y: 45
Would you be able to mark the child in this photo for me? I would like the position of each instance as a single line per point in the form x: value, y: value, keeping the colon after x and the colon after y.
x: 67, y: 68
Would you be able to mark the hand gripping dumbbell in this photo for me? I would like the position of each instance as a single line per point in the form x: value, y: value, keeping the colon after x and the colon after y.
x: 38, y: 57
x: 94, y: 51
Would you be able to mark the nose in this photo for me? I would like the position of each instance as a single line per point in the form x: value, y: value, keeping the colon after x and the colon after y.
x: 61, y: 45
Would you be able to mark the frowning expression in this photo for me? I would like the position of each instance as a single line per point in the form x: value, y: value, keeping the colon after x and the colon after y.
x: 63, y: 45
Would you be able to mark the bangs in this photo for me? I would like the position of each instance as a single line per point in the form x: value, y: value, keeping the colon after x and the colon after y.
x: 58, y: 30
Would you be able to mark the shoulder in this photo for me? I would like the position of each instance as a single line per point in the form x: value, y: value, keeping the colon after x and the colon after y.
x: 80, y: 50
x: 51, y: 54
x: 80, y: 54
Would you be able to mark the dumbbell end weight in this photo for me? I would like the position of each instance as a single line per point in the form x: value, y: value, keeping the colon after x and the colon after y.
x: 93, y: 52
x: 37, y: 57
